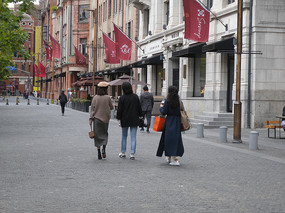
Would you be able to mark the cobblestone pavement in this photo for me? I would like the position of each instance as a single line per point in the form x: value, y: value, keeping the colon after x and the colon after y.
x: 48, y: 164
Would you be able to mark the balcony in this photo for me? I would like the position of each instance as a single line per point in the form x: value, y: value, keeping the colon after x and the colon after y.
x: 141, y: 4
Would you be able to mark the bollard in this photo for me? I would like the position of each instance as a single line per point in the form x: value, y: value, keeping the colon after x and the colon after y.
x: 52, y: 101
x: 17, y: 100
x: 56, y: 101
x: 200, y: 130
x: 28, y: 102
x: 223, y: 134
x: 38, y: 101
x: 253, y: 140
x: 47, y: 102
x: 152, y: 121
x: 7, y: 102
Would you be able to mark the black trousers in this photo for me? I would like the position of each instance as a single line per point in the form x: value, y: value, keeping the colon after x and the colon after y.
x: 147, y: 114
x: 62, y: 107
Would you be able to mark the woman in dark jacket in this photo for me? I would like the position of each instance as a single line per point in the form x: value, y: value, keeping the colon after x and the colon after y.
x: 171, y: 139
x: 129, y: 113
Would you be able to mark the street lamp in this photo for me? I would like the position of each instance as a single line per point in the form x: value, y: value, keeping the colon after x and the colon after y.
x: 95, y: 20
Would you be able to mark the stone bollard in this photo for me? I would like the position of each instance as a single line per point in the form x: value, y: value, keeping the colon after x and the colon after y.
x: 253, y: 140
x: 152, y: 121
x: 17, y: 100
x: 47, y: 102
x: 38, y: 101
x: 7, y: 101
x: 223, y: 134
x: 28, y: 102
x: 52, y: 101
x: 200, y: 130
x: 56, y: 101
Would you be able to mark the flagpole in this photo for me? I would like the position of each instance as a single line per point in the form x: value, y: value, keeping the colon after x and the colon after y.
x: 225, y: 25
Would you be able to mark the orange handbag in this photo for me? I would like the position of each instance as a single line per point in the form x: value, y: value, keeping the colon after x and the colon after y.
x: 158, y: 123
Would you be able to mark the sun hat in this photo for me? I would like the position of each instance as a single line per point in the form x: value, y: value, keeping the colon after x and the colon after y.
x: 103, y: 84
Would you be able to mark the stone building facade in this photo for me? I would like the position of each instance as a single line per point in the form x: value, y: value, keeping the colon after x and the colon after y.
x: 205, y: 72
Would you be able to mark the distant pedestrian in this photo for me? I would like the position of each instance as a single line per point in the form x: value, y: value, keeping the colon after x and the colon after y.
x: 171, y: 139
x: 63, y: 100
x: 146, y: 100
x: 129, y: 113
x: 101, y: 107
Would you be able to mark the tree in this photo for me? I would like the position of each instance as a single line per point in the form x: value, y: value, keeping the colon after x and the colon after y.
x: 12, y: 36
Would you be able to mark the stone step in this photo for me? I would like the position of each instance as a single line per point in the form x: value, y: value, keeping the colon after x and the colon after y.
x: 213, y: 120
x: 201, y: 117
x: 216, y: 114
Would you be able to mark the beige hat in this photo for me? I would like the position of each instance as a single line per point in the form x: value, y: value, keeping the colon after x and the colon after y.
x: 103, y: 84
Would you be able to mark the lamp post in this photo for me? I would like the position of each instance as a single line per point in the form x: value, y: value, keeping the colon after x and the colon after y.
x: 95, y: 21
x: 237, y: 104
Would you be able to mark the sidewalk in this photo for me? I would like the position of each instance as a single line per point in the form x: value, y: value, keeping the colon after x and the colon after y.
x: 48, y: 164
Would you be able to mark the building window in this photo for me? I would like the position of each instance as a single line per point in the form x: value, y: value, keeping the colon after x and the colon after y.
x: 166, y: 9
x: 29, y: 50
x: 209, y: 4
x: 130, y: 29
x: 23, y: 67
x: 231, y: 1
x: 23, y: 23
x: 83, y: 13
x: 199, y: 75
x: 45, y: 33
x: 104, y: 11
x: 15, y: 54
x: 115, y: 7
x: 146, y: 23
x: 15, y: 70
x: 83, y: 46
x: 109, y: 8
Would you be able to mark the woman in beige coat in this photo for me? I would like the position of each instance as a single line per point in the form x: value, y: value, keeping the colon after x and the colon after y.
x: 100, y: 115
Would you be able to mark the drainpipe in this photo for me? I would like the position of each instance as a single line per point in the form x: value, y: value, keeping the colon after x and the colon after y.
x: 70, y: 49
x: 249, y: 66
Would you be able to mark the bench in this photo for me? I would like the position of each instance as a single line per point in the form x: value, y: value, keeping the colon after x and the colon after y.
x: 272, y: 125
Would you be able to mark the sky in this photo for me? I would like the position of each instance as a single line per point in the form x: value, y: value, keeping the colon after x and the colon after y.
x: 11, y: 5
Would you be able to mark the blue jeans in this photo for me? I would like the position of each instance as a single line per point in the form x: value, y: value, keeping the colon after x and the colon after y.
x: 133, y: 131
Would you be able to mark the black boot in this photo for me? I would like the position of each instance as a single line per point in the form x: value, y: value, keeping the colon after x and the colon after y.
x: 99, y: 154
x: 104, y: 151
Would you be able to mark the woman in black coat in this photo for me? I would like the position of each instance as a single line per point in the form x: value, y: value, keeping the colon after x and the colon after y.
x: 171, y: 139
x: 129, y: 113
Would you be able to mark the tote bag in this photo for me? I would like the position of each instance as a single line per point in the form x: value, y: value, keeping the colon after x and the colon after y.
x: 158, y: 123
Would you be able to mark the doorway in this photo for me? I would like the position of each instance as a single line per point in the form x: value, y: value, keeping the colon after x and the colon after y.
x: 230, y: 82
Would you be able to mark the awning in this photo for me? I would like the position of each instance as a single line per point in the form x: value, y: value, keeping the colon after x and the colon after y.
x: 189, y: 52
x: 154, y: 60
x: 226, y: 45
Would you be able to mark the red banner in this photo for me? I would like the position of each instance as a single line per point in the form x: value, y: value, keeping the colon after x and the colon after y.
x: 56, y: 47
x: 123, y: 44
x: 80, y: 59
x: 197, y: 21
x: 110, y: 49
x: 36, y: 69
x: 42, y: 70
x: 48, y: 51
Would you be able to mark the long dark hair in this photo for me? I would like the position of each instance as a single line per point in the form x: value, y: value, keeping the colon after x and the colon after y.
x: 127, y: 88
x: 102, y: 91
x: 173, y: 97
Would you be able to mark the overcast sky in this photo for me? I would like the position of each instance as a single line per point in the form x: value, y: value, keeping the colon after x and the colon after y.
x: 12, y: 5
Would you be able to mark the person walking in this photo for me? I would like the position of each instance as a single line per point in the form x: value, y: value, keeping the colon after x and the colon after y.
x: 129, y: 113
x: 146, y: 100
x: 171, y: 139
x: 63, y: 100
x: 101, y: 107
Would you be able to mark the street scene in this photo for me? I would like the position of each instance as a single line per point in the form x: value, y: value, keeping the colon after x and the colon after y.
x: 49, y: 164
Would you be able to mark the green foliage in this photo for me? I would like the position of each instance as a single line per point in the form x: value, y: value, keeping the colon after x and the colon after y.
x: 12, y: 37
x: 80, y: 100
x: 54, y: 8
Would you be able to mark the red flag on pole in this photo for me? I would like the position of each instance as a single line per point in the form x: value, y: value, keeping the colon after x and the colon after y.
x: 80, y: 59
x: 48, y: 51
x: 42, y: 69
x: 56, y: 47
x: 36, y: 68
x: 123, y: 44
x: 197, y: 21
x: 110, y: 49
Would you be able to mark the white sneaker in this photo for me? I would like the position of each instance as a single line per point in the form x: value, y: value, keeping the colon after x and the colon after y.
x: 167, y: 159
x: 122, y: 155
x: 174, y: 163
x: 132, y: 156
